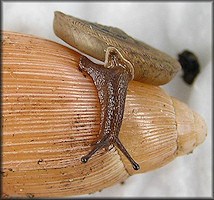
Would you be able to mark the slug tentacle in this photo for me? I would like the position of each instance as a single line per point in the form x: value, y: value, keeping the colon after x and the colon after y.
x: 111, y: 83
x: 123, y: 149
x: 98, y: 146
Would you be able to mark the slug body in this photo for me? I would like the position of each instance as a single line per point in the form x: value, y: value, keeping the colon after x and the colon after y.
x: 111, y: 83
x: 125, y: 59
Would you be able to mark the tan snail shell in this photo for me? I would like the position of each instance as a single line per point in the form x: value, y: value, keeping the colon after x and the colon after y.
x: 50, y: 116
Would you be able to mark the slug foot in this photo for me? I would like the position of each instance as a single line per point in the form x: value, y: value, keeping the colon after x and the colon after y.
x: 111, y: 83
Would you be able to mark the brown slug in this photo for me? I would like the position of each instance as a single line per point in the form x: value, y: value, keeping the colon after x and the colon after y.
x: 111, y: 83
x: 125, y: 59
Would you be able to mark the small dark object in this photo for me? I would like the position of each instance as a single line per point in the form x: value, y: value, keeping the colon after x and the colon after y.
x: 30, y: 196
x: 39, y: 161
x: 190, y: 66
x: 122, y: 183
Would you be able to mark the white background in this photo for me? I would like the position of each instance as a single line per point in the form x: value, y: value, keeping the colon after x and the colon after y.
x: 170, y: 27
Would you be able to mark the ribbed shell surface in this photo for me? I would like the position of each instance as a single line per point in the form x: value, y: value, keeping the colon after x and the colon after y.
x: 51, y: 116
